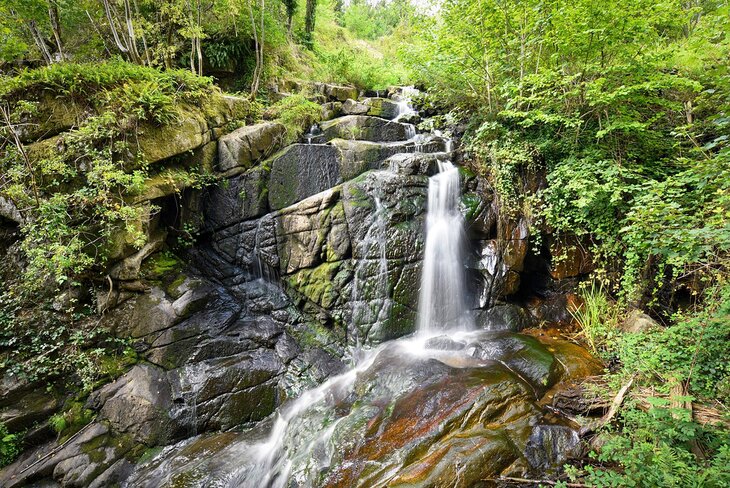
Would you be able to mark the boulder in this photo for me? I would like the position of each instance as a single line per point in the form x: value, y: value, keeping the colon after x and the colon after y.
x: 188, y: 132
x: 385, y: 215
x: 569, y: 258
x: 352, y: 107
x: 365, y: 128
x: 9, y: 211
x: 54, y: 115
x: 300, y: 171
x: 28, y: 408
x: 246, y: 146
x: 399, y: 156
x: 137, y: 404
x: 331, y: 110
x: 638, y: 322
x: 89, y: 454
x: 129, y: 268
x: 339, y: 93
x: 312, y: 232
x: 504, y: 316
x: 382, y: 107
x: 224, y: 392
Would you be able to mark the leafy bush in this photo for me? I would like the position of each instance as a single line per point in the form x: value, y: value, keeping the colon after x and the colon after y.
x: 75, y: 198
x: 660, y: 447
x: 9, y: 446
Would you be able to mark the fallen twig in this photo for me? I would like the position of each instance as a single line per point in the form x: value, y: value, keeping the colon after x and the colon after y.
x: 617, y: 401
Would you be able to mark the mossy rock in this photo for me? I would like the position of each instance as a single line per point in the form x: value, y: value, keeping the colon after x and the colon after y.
x: 317, y: 284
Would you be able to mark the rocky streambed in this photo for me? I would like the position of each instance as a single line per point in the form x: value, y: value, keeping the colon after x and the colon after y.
x: 307, y: 273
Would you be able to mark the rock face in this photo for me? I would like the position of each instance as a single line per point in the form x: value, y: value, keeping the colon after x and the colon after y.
x: 300, y: 171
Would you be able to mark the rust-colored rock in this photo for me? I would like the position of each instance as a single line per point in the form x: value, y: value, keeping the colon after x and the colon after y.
x: 570, y: 257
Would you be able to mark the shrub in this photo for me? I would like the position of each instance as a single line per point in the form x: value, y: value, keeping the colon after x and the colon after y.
x: 296, y: 113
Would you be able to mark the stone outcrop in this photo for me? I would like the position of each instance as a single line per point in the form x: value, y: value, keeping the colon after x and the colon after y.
x: 466, y: 411
x: 248, y: 145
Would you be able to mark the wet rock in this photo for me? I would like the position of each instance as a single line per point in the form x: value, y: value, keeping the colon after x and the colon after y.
x: 224, y: 392
x: 504, y: 316
x: 302, y: 170
x: 523, y: 354
x: 137, y: 404
x: 550, y: 446
x: 576, y: 361
x: 245, y: 147
x: 515, y: 235
x: 211, y: 454
x: 365, y: 128
x: 414, y: 440
x: 240, y: 198
x: 391, y: 230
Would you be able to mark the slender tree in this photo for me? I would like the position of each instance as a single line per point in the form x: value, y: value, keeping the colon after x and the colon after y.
x: 291, y: 9
x: 309, y: 18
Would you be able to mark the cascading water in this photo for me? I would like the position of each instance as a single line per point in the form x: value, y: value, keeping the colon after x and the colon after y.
x: 296, y: 453
x: 363, y: 285
x: 441, y: 304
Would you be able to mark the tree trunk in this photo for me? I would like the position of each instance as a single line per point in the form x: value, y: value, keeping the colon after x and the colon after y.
x: 113, y: 27
x: 39, y: 41
x: 309, y: 18
x: 199, y: 50
x: 257, y: 69
x: 56, y: 26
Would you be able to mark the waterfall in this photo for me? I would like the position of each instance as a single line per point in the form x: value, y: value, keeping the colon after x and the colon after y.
x: 441, y: 303
x: 365, y: 309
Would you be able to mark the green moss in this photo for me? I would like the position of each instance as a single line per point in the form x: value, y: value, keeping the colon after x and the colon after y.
x: 316, y: 284
x: 296, y: 113
x: 148, y: 454
x: 71, y: 420
x: 160, y: 264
